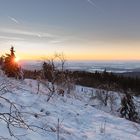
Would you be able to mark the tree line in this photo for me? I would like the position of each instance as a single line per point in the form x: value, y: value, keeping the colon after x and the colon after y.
x: 107, y: 80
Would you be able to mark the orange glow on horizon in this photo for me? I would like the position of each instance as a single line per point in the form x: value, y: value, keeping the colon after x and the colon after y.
x: 100, y: 57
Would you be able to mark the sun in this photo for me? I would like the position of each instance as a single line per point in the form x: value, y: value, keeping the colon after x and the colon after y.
x: 17, y: 59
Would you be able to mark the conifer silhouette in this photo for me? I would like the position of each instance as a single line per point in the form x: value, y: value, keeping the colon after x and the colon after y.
x: 10, y: 67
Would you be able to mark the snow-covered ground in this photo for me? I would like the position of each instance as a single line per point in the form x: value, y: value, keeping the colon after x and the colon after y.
x: 78, y: 120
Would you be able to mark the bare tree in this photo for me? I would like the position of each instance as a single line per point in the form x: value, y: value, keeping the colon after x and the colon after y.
x: 56, y: 78
x: 13, y: 116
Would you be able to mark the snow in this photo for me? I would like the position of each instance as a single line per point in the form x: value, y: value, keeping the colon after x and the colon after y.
x: 78, y: 119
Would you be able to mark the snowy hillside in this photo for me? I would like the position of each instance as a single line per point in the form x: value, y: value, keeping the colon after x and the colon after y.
x: 63, y: 118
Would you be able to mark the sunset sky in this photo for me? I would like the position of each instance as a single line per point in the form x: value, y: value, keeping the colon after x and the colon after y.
x: 81, y: 29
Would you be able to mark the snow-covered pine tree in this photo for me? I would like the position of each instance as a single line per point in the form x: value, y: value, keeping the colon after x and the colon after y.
x: 128, y: 109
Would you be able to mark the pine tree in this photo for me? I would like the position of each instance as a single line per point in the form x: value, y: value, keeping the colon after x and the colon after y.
x: 47, y: 70
x: 128, y: 109
x: 10, y: 67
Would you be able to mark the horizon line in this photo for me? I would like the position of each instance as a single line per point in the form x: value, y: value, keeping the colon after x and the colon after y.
x: 85, y: 60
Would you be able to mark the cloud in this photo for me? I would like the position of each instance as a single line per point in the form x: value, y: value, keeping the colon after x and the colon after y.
x: 11, y: 38
x: 92, y: 3
x: 27, y: 33
x: 13, y: 19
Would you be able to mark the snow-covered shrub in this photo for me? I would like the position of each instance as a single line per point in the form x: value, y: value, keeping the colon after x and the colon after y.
x: 113, y: 97
x: 102, y: 96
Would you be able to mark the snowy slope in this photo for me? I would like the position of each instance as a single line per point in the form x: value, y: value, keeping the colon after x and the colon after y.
x: 78, y: 121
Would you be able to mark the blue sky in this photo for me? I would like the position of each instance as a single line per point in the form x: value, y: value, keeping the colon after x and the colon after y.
x: 81, y: 29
